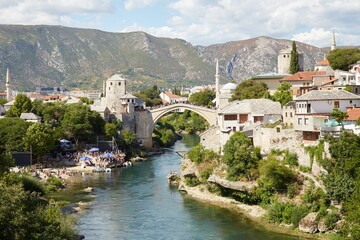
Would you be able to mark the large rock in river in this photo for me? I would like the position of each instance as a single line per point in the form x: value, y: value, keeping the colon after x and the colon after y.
x: 309, y: 224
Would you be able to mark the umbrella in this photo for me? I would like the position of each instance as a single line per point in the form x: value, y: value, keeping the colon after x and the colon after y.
x: 85, y: 158
x: 108, y: 155
x: 94, y: 150
x: 64, y: 141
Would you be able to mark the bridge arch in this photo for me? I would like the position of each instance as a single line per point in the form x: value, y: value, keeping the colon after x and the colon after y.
x: 208, y: 114
x: 146, y: 120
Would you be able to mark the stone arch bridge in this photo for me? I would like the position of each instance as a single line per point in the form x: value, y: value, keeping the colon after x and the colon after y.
x: 146, y: 120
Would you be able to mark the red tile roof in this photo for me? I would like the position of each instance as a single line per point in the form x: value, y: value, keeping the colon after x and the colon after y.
x: 303, y: 76
x: 171, y: 95
x: 353, y: 114
x: 324, y: 62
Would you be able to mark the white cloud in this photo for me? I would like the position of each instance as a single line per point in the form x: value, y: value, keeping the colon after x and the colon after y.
x: 59, y: 12
x: 132, y: 4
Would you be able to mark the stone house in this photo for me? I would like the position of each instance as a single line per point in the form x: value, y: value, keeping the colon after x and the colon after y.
x: 272, y: 80
x: 30, y: 117
x: 170, y: 98
x: 288, y: 114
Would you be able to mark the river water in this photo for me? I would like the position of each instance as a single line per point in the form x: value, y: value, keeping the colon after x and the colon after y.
x: 137, y: 203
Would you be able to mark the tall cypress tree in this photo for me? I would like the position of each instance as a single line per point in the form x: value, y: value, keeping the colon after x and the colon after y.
x: 294, y: 60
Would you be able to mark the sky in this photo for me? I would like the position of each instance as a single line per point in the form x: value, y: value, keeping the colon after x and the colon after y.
x: 200, y: 22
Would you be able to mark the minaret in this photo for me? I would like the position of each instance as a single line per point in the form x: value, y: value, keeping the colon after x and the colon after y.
x: 333, y: 42
x: 217, y: 88
x: 8, y: 86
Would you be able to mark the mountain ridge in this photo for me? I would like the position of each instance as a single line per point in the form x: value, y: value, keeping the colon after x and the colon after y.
x: 45, y: 56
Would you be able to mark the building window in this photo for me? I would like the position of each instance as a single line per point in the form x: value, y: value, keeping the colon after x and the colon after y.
x: 119, y: 83
x: 290, y: 114
x: 234, y: 129
x: 350, y: 101
x: 243, y: 118
x: 110, y: 83
x: 258, y: 118
x: 336, y: 104
x: 231, y: 117
x: 299, y: 121
x: 285, y: 114
x: 306, y: 121
x: 109, y: 88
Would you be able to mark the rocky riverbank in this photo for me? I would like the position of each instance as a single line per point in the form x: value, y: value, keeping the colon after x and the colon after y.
x: 253, y: 212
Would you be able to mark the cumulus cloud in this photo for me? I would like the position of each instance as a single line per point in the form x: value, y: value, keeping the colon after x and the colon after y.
x: 132, y: 4
x: 60, y: 12
x: 309, y: 21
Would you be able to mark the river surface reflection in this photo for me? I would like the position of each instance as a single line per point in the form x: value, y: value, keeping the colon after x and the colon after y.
x: 137, y: 203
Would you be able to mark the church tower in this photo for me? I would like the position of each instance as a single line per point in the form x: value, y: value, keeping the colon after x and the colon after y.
x: 217, y: 84
x: 8, y: 86
x: 333, y: 42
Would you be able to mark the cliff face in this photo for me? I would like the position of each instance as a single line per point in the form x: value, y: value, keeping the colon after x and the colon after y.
x: 53, y: 56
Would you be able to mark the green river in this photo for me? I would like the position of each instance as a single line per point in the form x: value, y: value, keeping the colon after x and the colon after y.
x: 137, y: 203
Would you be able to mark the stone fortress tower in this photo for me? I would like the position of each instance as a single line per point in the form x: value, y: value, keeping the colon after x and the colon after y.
x: 114, y: 88
x: 284, y: 61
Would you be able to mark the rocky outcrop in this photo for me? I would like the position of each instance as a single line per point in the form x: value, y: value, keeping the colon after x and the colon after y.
x: 189, y: 169
x: 309, y: 224
x: 322, y: 226
x: 234, y: 185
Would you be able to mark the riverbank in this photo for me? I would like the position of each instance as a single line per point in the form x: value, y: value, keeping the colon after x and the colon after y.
x: 252, y: 212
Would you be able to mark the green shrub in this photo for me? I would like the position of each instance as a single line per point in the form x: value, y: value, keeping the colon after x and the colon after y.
x: 196, y: 154
x: 32, y: 184
x: 54, y: 183
x: 291, y: 158
x: 305, y: 169
x: 213, y: 188
x: 331, y: 219
x: 298, y: 213
x: 315, y: 198
x: 292, y: 190
x: 192, y: 181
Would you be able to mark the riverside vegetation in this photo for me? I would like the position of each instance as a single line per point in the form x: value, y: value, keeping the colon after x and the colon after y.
x: 277, y: 183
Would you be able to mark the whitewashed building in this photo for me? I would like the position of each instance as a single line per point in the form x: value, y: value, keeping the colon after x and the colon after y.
x: 313, y: 109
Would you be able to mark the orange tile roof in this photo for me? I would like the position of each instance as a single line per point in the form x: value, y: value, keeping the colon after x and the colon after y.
x: 324, y: 62
x: 302, y: 76
x: 353, y: 114
x: 171, y: 95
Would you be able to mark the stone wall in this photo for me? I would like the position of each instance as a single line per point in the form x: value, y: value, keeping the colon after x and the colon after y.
x: 282, y: 139
x: 210, y: 139
x: 143, y: 125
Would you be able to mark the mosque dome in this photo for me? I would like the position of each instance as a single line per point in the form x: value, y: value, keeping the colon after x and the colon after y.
x: 229, y: 86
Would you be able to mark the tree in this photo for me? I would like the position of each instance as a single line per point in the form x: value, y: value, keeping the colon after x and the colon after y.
x: 150, y: 96
x: 22, y: 104
x: 203, y: 98
x: 283, y: 93
x: 240, y: 156
x: 294, y: 59
x: 3, y: 101
x: 339, y: 116
x: 6, y: 161
x: 53, y: 113
x: 276, y: 175
x: 342, y: 58
x: 76, y: 122
x: 250, y: 89
x: 12, y: 131
x: 129, y: 138
x: 40, y: 138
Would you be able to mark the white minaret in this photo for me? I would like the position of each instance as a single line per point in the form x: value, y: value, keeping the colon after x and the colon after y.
x: 8, y: 86
x: 333, y: 42
x: 217, y: 76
